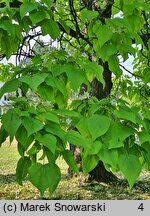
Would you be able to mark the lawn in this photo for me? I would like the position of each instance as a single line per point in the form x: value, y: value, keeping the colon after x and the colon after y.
x: 75, y: 188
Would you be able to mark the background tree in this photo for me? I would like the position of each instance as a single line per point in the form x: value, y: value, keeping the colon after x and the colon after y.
x: 81, y: 83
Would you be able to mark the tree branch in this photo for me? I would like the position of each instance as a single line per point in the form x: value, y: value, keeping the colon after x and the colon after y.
x: 73, y: 34
x: 74, y: 15
x: 133, y: 74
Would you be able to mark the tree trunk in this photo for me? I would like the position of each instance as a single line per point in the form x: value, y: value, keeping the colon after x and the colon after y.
x: 99, y: 173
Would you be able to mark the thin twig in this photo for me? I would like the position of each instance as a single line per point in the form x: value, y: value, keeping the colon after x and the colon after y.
x: 74, y: 15
x: 133, y: 74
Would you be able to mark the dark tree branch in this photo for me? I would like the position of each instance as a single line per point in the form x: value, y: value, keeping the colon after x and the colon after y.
x: 133, y: 74
x: 106, y: 13
x: 147, y: 36
x: 74, y: 15
x: 69, y: 41
x: 148, y: 61
x: 26, y: 38
x: 73, y: 34
x: 2, y: 56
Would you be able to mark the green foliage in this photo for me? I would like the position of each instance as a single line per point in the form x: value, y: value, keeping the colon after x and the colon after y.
x: 103, y: 33
x: 32, y: 125
x: 127, y: 164
x: 98, y: 125
x: 95, y: 70
x: 75, y: 138
x: 50, y: 27
x: 55, y: 89
x: 146, y: 75
x: 22, y: 169
x: 5, y: 73
x: 89, y: 163
x: 11, y: 121
x: 9, y: 86
x: 33, y: 81
x: 27, y: 7
x: 47, y: 140
x: 70, y: 160
x: 44, y: 176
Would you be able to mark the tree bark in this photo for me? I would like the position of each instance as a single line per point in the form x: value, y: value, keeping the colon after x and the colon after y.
x: 99, y: 173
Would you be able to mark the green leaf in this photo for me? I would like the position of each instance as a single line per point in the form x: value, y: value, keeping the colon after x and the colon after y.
x: 27, y: 7
x: 50, y: 27
x: 36, y: 147
x: 55, y: 129
x: 67, y: 113
x: 88, y: 14
x: 21, y: 137
x: 51, y: 80
x: 124, y: 114
x: 118, y: 22
x: 47, y: 140
x: 32, y: 125
x: 22, y: 169
x: 146, y: 124
x: 34, y: 81
x: 98, y: 125
x: 3, y: 135
x: 109, y: 156
x: 46, y: 92
x: 64, y: 25
x: 95, y: 148
x: 44, y: 176
x: 106, y: 51
x: 55, y: 82
x: 48, y: 2
x: 75, y: 138
x: 26, y: 23
x: 130, y: 166
x: 82, y: 127
x: 6, y: 24
x: 113, y: 62
x: 11, y: 122
x: 50, y: 156
x: 75, y: 76
x: 70, y: 160
x: 37, y: 16
x: 51, y: 117
x: 146, y: 152
x: 103, y: 33
x: 134, y: 23
x: 56, y: 69
x: 144, y: 136
x: 21, y: 149
x: 147, y: 114
x: 96, y: 70
x: 89, y: 163
x: 122, y: 133
x: 10, y: 86
x: 146, y: 75
x: 60, y: 85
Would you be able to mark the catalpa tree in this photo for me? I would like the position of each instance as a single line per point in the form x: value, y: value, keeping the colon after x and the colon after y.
x: 75, y: 88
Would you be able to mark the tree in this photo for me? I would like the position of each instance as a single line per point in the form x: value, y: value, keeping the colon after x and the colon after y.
x: 80, y: 84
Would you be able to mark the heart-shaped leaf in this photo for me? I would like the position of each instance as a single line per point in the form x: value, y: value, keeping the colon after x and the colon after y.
x: 130, y: 167
x: 44, y: 176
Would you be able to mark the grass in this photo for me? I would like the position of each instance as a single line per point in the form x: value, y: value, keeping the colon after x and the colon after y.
x: 75, y: 188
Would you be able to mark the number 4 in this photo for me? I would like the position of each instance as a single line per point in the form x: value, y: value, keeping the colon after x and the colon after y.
x: 141, y: 207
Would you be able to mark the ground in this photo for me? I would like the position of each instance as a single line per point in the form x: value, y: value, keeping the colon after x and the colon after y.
x: 75, y: 188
